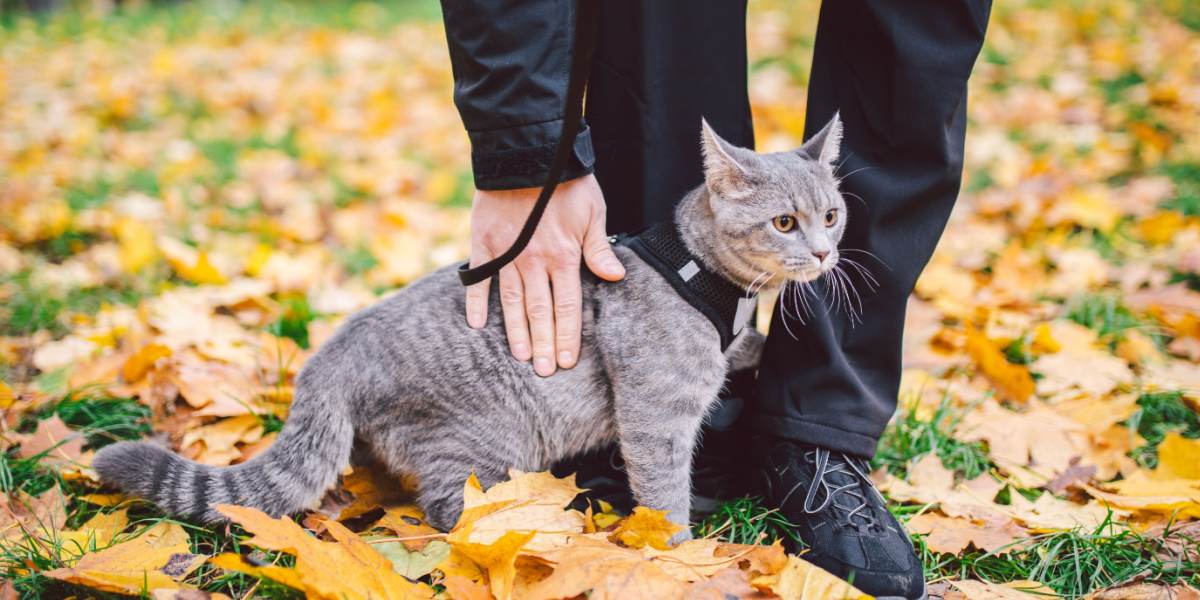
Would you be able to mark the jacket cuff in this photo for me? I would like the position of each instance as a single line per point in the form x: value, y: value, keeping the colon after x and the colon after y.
x: 504, y: 159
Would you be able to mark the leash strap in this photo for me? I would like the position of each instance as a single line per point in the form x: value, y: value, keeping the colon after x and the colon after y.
x: 586, y: 25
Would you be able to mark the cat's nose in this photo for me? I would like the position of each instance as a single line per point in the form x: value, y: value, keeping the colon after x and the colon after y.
x: 820, y: 255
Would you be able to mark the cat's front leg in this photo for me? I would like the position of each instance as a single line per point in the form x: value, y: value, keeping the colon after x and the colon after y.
x: 658, y: 434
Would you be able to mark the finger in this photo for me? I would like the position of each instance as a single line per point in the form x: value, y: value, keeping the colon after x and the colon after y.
x: 512, y: 302
x: 567, y: 316
x: 477, y: 295
x: 539, y: 307
x: 598, y: 254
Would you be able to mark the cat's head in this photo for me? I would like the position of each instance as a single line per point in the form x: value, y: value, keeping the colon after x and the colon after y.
x: 778, y: 213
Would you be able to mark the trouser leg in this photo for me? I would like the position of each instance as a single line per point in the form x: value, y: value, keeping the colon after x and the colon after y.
x: 897, y: 72
x: 659, y: 67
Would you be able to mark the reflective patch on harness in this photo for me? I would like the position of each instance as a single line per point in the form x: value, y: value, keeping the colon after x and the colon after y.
x: 745, y: 308
x: 689, y: 270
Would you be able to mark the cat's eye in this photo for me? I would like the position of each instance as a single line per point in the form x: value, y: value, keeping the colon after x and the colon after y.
x: 831, y: 217
x: 784, y: 223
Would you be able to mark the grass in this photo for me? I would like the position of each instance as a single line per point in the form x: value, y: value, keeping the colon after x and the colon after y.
x: 1108, y: 317
x: 1160, y: 413
x: 293, y: 323
x: 26, y: 308
x: 1186, y: 177
x: 746, y: 521
x: 910, y: 437
x: 1077, y: 563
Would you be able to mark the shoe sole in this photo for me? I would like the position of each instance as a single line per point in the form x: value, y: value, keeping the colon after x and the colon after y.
x: 924, y: 595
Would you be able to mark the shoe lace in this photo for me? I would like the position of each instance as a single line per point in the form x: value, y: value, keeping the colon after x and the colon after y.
x: 857, y: 512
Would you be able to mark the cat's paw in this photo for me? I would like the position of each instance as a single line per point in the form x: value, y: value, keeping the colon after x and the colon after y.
x: 680, y: 537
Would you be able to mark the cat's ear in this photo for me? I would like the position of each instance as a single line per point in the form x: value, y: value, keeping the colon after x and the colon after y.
x: 725, y: 165
x: 826, y: 146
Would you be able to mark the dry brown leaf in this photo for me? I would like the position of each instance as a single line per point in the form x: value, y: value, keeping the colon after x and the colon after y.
x: 39, y: 516
x: 1149, y: 591
x: 217, y: 444
x: 347, y: 568
x: 62, y: 445
x: 955, y: 534
x: 605, y: 572
x: 727, y: 584
x: 461, y: 588
x: 1013, y: 590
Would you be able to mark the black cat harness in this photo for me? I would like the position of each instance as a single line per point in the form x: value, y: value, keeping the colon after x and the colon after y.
x: 726, y: 305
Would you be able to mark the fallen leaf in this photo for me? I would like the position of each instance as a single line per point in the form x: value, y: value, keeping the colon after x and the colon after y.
x: 143, y: 564
x: 414, y: 564
x: 1014, y: 590
x: 535, y: 502
x: 139, y: 363
x: 1149, y: 591
x: 498, y: 559
x: 1013, y: 382
x: 801, y: 579
x: 61, y: 445
x: 1178, y: 458
x: 954, y: 534
x: 461, y: 588
x: 347, y: 568
x: 646, y: 527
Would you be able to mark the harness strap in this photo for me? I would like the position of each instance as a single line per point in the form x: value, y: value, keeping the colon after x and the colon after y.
x: 586, y: 25
x: 726, y: 305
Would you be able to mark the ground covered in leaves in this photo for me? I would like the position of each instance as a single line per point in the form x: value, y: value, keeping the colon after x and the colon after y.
x: 192, y: 197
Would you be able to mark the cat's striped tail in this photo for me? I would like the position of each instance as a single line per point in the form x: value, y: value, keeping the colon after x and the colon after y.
x: 288, y: 477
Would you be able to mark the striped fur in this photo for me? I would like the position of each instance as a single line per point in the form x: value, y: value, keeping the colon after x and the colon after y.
x: 427, y: 395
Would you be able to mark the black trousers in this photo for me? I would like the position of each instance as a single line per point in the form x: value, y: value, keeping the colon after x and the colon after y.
x: 897, y: 70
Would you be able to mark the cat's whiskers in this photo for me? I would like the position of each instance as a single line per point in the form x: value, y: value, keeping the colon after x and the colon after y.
x: 862, y: 271
x: 871, y: 254
x: 751, y: 290
x: 853, y: 304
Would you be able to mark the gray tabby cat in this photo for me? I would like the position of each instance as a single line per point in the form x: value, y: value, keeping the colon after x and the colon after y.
x: 427, y: 395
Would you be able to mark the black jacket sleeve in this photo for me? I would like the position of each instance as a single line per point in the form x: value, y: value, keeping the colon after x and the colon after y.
x: 510, y: 60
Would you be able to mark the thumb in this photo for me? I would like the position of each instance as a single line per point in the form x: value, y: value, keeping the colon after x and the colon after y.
x: 598, y: 254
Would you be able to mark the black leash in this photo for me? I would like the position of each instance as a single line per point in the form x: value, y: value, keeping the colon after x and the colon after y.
x: 586, y: 24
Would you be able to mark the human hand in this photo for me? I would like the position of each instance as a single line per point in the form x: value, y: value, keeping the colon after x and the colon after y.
x: 539, y: 291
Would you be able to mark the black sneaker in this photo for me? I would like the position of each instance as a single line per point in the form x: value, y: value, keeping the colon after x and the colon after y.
x: 842, y: 519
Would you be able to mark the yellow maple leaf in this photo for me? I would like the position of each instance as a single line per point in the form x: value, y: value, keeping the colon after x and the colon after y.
x: 534, y: 502
x: 143, y: 564
x: 233, y: 562
x: 801, y: 579
x: 97, y: 532
x: 346, y: 569
x: 7, y: 397
x: 498, y: 558
x: 646, y: 527
x: 135, y: 245
x: 1178, y: 458
x: 139, y: 363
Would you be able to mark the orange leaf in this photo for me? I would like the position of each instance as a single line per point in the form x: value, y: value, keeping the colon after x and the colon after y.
x: 346, y: 569
x: 1012, y: 381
